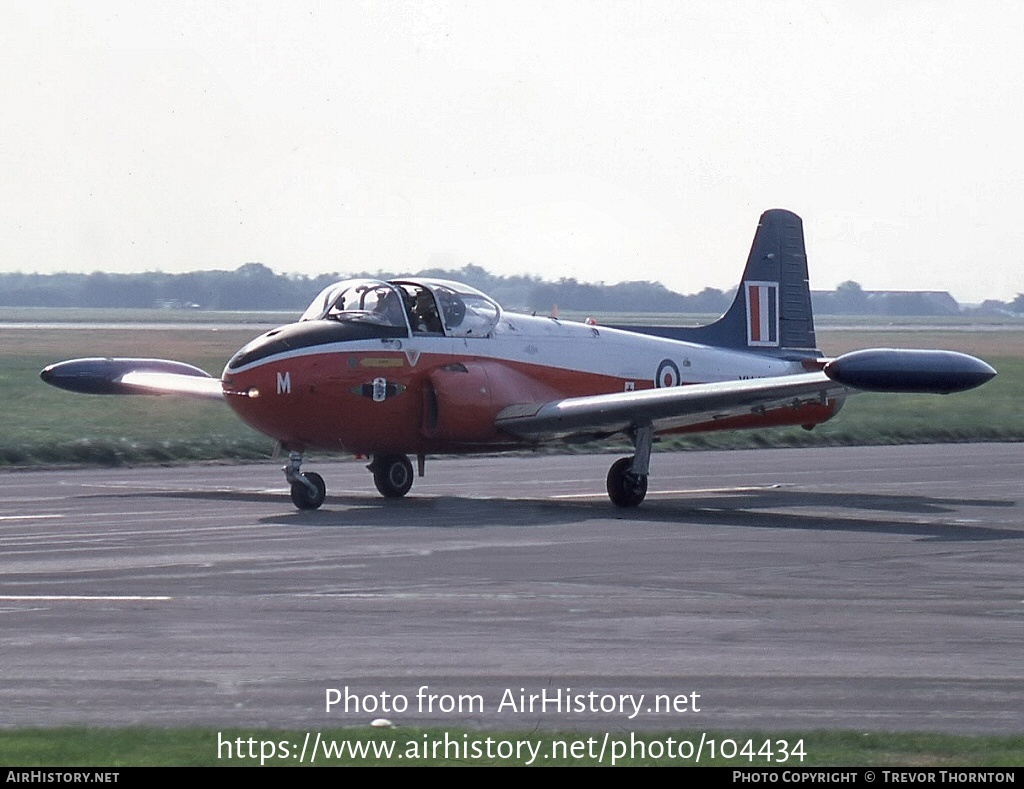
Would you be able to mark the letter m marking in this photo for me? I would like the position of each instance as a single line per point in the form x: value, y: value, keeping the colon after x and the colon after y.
x: 284, y: 383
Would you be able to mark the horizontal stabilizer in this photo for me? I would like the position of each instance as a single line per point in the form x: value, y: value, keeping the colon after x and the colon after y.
x: 906, y: 370
x: 133, y: 376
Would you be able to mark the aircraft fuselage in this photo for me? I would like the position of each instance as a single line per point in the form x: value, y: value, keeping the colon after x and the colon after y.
x: 419, y: 393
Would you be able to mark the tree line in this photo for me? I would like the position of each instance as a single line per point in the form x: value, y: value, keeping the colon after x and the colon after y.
x: 254, y: 286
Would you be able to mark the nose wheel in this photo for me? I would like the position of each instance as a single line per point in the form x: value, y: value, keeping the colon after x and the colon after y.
x: 392, y: 474
x: 309, y: 493
x: 307, y: 488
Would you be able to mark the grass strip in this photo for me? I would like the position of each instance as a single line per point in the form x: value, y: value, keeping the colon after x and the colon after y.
x: 42, y: 426
x: 130, y: 747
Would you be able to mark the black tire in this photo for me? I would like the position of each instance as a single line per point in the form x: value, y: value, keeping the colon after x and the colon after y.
x: 393, y: 476
x: 304, y: 498
x: 624, y: 488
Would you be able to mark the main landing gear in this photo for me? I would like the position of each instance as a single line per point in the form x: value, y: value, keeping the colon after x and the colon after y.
x: 392, y: 474
x: 627, y: 478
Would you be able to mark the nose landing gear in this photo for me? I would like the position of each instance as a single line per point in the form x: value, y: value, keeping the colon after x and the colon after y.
x: 308, y: 489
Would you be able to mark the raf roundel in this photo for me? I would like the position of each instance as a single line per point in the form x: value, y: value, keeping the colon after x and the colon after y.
x: 667, y: 375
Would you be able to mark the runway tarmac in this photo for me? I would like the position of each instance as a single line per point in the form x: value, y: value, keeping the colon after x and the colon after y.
x: 852, y: 588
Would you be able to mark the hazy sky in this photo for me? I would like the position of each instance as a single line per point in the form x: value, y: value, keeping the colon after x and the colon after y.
x: 596, y: 140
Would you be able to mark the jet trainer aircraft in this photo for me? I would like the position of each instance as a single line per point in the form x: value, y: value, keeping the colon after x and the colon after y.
x: 422, y: 366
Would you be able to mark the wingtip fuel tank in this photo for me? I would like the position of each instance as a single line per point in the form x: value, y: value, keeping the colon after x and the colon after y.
x: 904, y: 370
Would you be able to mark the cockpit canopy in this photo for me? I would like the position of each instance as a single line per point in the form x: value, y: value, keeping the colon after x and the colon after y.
x: 423, y: 306
x: 357, y: 299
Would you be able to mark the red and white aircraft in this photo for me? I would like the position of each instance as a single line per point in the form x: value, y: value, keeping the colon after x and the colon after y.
x: 421, y: 366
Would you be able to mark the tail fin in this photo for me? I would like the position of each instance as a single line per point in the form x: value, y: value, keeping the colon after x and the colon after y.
x: 772, y: 309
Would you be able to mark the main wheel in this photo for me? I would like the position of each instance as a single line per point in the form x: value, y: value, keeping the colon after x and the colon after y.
x: 392, y: 474
x: 306, y: 499
x: 625, y: 488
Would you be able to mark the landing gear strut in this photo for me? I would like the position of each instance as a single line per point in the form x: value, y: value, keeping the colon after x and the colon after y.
x: 392, y: 474
x: 308, y: 490
x: 627, y: 478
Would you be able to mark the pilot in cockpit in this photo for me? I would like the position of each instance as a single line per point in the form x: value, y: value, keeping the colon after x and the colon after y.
x: 388, y: 308
x: 424, y: 314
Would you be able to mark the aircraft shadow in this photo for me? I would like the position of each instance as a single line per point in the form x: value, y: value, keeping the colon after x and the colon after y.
x: 827, y: 512
x: 770, y: 508
x: 934, y: 521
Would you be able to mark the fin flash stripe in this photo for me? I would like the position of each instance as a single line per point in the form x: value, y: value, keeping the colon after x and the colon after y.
x: 762, y: 313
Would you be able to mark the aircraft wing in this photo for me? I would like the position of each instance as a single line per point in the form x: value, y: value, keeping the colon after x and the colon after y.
x: 667, y: 408
x: 133, y: 376
x: 871, y: 370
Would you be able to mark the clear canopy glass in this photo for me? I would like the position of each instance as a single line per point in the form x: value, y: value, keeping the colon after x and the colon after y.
x: 425, y: 306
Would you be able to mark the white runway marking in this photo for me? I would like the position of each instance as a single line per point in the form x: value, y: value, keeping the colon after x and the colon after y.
x: 28, y: 517
x: 56, y: 598
x: 691, y: 491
